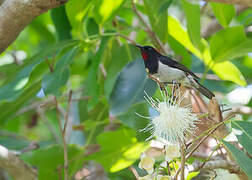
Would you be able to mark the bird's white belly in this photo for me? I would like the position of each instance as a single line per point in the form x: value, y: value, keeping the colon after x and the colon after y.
x: 168, y: 74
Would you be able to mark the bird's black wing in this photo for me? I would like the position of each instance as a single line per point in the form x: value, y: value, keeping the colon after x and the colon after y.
x: 172, y: 63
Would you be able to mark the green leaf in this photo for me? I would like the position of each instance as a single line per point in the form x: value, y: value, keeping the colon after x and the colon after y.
x: 158, y: 19
x: 117, y: 58
x: 53, y: 81
x: 117, y: 156
x: 241, y: 158
x: 180, y: 34
x: 8, y: 109
x: 228, y: 71
x: 130, y: 86
x: 191, y: 175
x: 165, y: 6
x: 105, y: 9
x: 76, y: 10
x: 15, y: 88
x: 244, y: 135
x: 225, y: 70
x: 180, y: 51
x: 49, y: 159
x: 192, y: 12
x: 223, y: 12
x: 92, y: 86
x: 230, y: 43
x: 14, y: 143
x: 132, y: 119
x: 61, y: 22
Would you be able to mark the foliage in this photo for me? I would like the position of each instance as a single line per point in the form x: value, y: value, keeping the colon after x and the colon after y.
x: 79, y: 67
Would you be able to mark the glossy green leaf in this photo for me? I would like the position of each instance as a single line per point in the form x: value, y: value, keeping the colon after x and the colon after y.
x: 230, y: 43
x: 180, y: 51
x: 117, y: 156
x: 244, y: 135
x: 228, y: 71
x: 8, y: 109
x: 14, y: 88
x: 176, y: 30
x: 241, y: 158
x: 61, y: 23
x: 191, y: 175
x: 92, y: 87
x: 53, y: 81
x: 132, y: 117
x: 165, y: 6
x: 54, y: 155
x: 14, y: 143
x: 223, y: 12
x: 192, y: 12
x: 130, y: 86
x: 117, y: 58
x: 76, y: 10
x: 225, y: 70
x: 158, y: 19
x: 105, y: 9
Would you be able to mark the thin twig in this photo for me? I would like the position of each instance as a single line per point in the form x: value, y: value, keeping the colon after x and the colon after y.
x: 127, y: 38
x: 197, y: 146
x: 67, y: 112
x: 48, y: 125
x: 49, y: 65
x: 51, y: 101
x: 161, y: 85
x: 210, y: 156
x: 183, y: 154
x: 64, y: 140
x: 152, y: 35
x: 218, y: 164
x: 103, y: 70
x: 134, y: 171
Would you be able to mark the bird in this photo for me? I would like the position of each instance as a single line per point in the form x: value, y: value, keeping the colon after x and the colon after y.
x: 167, y: 70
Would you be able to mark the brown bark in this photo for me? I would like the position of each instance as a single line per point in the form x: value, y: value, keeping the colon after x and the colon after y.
x: 239, y: 2
x: 18, y: 169
x: 16, y: 14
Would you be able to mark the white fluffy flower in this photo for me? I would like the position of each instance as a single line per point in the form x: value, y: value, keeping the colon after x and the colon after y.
x: 171, y: 151
x: 173, y: 121
x: 147, y: 163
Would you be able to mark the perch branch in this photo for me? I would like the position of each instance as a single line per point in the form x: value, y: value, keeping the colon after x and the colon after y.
x: 18, y: 169
x: 217, y: 164
x: 148, y: 30
x: 214, y: 25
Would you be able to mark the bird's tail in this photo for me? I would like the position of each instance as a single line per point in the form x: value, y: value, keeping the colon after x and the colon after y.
x: 206, y: 92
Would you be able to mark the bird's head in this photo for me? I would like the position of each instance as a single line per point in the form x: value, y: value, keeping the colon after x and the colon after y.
x: 148, y: 52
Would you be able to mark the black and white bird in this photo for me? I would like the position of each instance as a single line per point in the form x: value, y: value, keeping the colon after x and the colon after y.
x: 167, y: 70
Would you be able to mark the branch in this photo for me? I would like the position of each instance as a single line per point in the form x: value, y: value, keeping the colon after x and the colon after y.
x: 217, y: 164
x: 18, y: 169
x: 152, y: 35
x: 240, y: 2
x: 16, y: 14
x: 214, y: 25
x: 242, y: 110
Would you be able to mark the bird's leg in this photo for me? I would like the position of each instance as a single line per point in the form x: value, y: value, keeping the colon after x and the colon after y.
x: 160, y: 84
x: 173, y: 82
x: 175, y: 86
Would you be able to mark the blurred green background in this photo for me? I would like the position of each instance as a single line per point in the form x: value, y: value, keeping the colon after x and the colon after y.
x: 81, y: 48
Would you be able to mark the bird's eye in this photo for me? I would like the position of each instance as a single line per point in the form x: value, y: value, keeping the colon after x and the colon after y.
x: 149, y: 48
